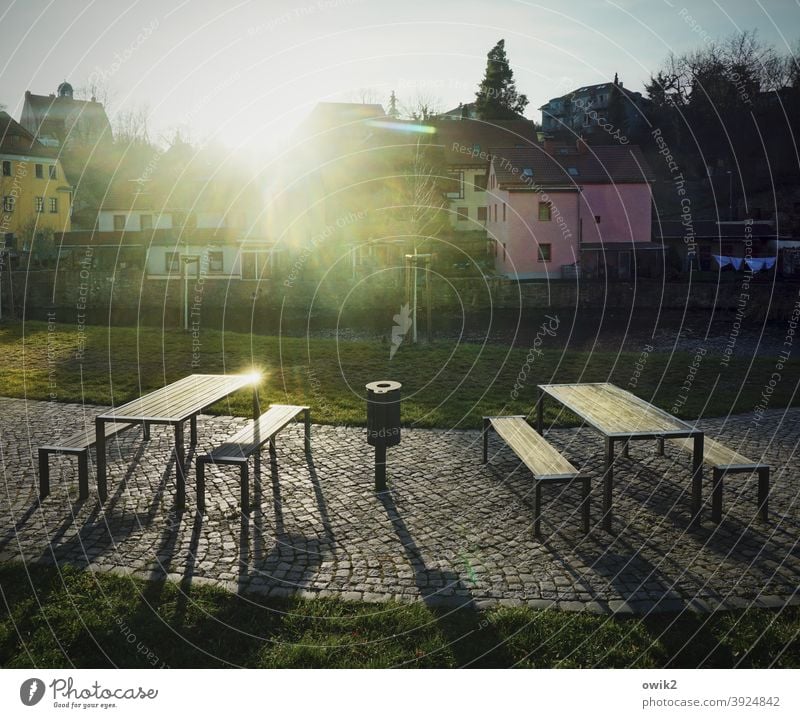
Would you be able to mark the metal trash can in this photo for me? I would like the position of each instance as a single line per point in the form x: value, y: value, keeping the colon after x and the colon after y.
x: 383, y: 423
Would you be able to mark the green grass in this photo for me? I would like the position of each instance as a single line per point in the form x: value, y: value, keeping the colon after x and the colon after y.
x: 66, y: 617
x: 444, y: 385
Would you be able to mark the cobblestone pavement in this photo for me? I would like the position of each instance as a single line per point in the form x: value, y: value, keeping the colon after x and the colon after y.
x: 450, y: 531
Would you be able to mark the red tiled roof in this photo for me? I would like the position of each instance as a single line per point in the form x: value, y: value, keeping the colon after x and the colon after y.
x: 16, y: 140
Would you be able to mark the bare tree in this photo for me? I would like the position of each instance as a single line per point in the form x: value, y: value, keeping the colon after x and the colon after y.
x: 366, y: 96
x: 421, y: 106
x: 130, y: 126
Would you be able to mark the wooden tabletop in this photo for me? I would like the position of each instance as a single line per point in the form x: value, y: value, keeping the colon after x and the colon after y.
x: 182, y: 399
x: 616, y: 412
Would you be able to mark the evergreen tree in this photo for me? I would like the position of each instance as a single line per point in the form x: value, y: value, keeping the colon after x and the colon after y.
x: 497, y: 98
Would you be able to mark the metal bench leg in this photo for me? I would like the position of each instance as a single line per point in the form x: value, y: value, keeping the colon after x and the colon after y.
x: 486, y: 425
x: 245, y: 478
x: 180, y: 468
x: 100, y: 450
x: 201, y: 485
x: 697, y: 475
x: 716, y: 495
x: 539, y: 411
x: 660, y: 447
x: 586, y: 503
x: 193, y: 430
x: 83, y: 474
x: 44, y: 474
x: 146, y: 430
x: 272, y: 446
x: 307, y: 422
x: 763, y: 493
x: 537, y: 509
x: 608, y: 484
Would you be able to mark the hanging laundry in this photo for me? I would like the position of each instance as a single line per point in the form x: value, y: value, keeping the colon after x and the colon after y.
x: 769, y: 262
x: 756, y: 265
x: 736, y: 262
x: 722, y: 261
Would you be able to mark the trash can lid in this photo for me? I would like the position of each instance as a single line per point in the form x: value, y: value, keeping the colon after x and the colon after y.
x: 384, y: 386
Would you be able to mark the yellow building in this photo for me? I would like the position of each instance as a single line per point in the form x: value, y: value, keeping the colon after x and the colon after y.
x: 35, y: 196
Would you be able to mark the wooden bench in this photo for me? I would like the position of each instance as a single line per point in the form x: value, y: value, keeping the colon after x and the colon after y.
x: 78, y: 445
x: 723, y: 461
x: 238, y: 449
x: 544, y: 461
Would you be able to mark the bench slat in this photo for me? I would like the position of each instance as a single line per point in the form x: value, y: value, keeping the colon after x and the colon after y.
x: 717, y: 455
x: 544, y: 460
x: 86, y: 438
x: 244, y: 442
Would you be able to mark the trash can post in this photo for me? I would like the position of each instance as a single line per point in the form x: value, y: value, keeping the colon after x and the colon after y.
x: 383, y: 423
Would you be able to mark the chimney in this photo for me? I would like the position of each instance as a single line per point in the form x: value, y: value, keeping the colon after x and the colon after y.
x: 581, y: 146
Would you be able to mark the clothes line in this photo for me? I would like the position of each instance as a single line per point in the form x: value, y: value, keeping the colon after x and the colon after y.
x: 755, y: 264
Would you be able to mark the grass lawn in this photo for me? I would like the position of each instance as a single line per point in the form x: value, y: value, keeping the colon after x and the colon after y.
x: 445, y: 385
x: 53, y: 618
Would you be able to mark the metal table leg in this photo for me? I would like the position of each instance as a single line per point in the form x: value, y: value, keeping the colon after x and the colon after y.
x: 608, y: 484
x: 100, y: 450
x: 697, y: 474
x: 180, y: 467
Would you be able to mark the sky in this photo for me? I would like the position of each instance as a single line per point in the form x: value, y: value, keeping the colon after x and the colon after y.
x: 243, y: 74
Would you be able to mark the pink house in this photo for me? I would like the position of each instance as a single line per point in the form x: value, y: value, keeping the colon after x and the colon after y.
x: 554, y: 210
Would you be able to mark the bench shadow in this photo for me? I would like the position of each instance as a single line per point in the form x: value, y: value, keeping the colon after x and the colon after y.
x: 474, y: 641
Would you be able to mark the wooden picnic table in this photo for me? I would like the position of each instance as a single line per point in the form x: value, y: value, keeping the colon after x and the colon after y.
x: 172, y: 404
x: 622, y: 417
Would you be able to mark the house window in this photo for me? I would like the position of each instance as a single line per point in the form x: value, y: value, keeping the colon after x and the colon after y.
x: 10, y: 240
x: 6, y: 168
x: 573, y: 171
x: 54, y: 205
x: 482, y: 214
x: 119, y: 222
x: 504, y: 211
x: 480, y: 183
x: 597, y: 219
x: 39, y: 172
x: 39, y: 202
x: 215, y: 262
x: 544, y: 252
x: 495, y: 213
x: 172, y: 262
x: 463, y: 214
x: 53, y: 171
x: 146, y: 221
x: 455, y: 185
x: 544, y: 211
x: 527, y: 172
x: 9, y: 203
